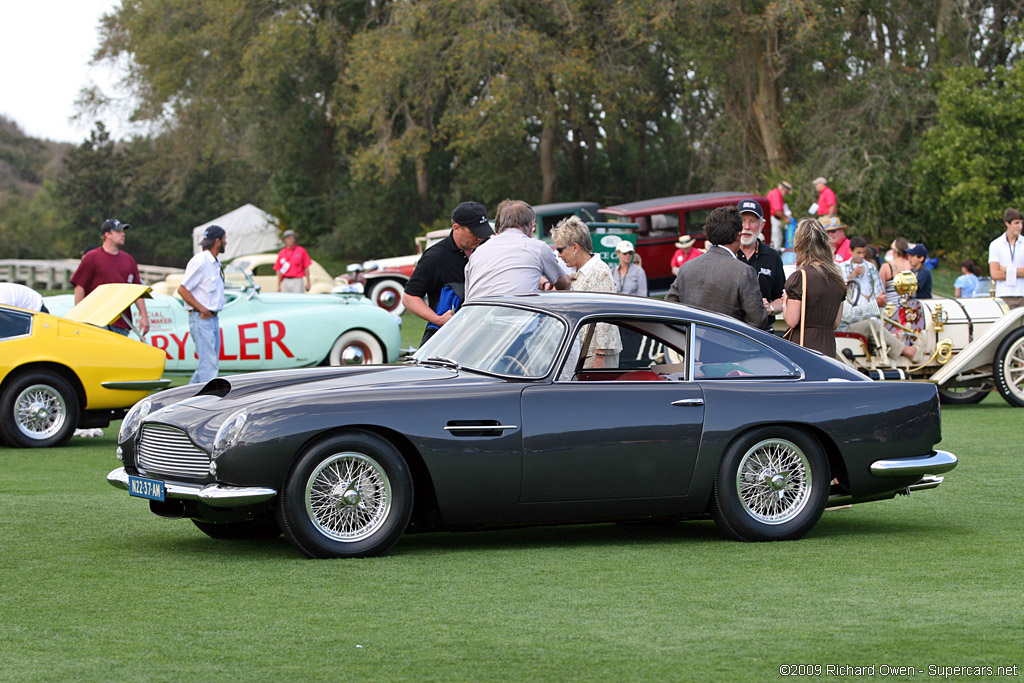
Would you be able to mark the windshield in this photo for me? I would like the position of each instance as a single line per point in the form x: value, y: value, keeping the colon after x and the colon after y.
x: 498, y: 339
x: 236, y: 278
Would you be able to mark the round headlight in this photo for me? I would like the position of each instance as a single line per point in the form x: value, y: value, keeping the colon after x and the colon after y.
x: 133, y: 420
x: 229, y: 432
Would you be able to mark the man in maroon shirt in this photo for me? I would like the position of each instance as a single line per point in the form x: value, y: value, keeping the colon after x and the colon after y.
x: 108, y: 264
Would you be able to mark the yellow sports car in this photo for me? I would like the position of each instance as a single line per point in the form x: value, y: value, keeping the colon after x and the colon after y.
x: 57, y: 374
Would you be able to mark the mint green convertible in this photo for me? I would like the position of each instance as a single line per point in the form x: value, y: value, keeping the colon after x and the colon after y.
x: 271, y: 331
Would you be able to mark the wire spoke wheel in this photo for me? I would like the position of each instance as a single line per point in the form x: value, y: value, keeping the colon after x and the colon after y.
x: 772, y: 485
x: 773, y: 481
x: 40, y: 411
x: 348, y: 497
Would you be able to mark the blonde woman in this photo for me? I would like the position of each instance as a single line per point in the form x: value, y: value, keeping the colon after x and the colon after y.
x: 817, y: 287
x: 574, y: 245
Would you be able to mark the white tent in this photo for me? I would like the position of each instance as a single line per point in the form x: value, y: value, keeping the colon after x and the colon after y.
x: 250, y: 230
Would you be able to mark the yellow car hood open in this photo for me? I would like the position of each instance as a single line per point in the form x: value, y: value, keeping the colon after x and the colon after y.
x: 105, y: 304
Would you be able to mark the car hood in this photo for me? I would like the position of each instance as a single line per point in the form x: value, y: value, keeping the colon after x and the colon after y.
x: 105, y: 304
x: 227, y: 393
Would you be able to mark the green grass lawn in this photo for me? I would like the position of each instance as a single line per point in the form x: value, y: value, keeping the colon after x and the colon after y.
x: 97, y: 588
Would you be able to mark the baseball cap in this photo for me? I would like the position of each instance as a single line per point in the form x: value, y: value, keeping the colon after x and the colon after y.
x: 213, y: 232
x: 819, y: 179
x: 112, y: 224
x: 288, y: 233
x: 625, y: 247
x: 751, y: 206
x: 918, y: 250
x: 473, y: 216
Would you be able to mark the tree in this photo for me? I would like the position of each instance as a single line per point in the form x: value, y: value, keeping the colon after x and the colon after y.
x: 968, y: 169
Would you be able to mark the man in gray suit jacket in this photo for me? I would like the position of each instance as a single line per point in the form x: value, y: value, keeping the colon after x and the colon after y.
x: 716, y: 280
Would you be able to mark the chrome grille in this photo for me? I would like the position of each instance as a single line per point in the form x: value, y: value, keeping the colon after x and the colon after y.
x: 168, y: 450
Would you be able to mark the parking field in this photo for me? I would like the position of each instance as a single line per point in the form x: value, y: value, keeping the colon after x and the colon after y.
x: 96, y: 588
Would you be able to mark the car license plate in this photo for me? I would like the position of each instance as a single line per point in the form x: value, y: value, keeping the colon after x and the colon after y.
x: 146, y: 488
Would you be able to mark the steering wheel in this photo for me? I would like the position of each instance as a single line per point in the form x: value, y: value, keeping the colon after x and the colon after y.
x: 853, y: 292
x: 516, y: 363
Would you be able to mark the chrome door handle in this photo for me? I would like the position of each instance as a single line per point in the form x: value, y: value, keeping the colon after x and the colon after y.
x: 689, y: 402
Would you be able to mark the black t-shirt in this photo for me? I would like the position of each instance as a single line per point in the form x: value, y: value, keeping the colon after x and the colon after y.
x: 767, y: 263
x: 440, y: 265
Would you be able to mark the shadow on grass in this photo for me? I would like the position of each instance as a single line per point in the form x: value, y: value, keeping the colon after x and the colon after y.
x: 834, y: 525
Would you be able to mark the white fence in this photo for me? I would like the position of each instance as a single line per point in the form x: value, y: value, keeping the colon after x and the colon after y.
x: 57, y: 274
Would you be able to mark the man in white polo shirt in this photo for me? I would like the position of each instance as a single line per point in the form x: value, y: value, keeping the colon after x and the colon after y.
x: 202, y: 289
x: 512, y: 262
x: 1006, y: 260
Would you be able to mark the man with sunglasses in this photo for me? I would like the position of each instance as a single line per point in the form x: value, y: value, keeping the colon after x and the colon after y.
x: 512, y: 262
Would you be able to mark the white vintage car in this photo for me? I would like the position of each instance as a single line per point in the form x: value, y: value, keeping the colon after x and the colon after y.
x: 260, y: 267
x: 968, y: 346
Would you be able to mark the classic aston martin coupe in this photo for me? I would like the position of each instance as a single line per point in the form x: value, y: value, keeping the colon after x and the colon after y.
x: 499, y: 420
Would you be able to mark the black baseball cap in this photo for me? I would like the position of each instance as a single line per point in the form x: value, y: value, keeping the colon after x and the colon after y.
x: 473, y: 216
x: 213, y: 232
x: 112, y: 224
x: 751, y: 206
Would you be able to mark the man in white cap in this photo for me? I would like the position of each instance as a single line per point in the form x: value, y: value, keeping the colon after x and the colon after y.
x: 202, y: 290
x: 292, y: 266
x: 827, y: 204
x: 685, y: 251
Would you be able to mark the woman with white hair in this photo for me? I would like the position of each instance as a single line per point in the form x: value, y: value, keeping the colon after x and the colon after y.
x: 629, y: 277
x: 813, y: 298
x: 574, y: 245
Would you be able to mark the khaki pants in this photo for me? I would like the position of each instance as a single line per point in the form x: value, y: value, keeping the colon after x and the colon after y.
x: 293, y: 285
x: 867, y: 327
x: 1013, y: 301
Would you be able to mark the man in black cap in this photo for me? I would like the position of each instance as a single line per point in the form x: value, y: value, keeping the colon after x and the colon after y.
x: 202, y: 290
x: 917, y: 254
x: 107, y: 264
x: 444, y: 264
x: 765, y: 261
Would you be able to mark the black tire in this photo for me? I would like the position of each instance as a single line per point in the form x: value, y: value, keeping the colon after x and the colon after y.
x: 349, y: 495
x: 964, y: 396
x: 1008, y: 368
x: 756, y: 500
x: 387, y: 293
x: 38, y: 409
x: 252, y: 529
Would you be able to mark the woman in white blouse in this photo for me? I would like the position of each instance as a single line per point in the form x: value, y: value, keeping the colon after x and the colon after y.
x: 572, y: 239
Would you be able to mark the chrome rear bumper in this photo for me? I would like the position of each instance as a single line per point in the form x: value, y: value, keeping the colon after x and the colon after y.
x: 936, y: 463
x: 214, y: 495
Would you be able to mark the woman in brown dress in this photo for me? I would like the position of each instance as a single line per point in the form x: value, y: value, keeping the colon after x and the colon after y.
x: 825, y: 290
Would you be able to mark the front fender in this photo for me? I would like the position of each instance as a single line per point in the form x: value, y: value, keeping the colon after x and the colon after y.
x: 982, y: 350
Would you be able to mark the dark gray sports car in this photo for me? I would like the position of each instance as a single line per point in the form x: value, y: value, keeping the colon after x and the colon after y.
x: 502, y: 419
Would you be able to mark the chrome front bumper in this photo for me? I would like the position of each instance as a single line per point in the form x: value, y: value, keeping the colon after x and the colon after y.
x: 214, y: 495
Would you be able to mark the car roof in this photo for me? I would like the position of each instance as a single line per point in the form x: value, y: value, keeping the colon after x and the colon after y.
x: 577, y: 305
x: 682, y: 201
x: 564, y: 207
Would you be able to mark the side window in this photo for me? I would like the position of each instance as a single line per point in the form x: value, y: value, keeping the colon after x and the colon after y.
x: 694, y: 221
x: 264, y: 269
x: 721, y: 354
x: 648, y: 351
x: 14, y: 324
x: 664, y: 224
